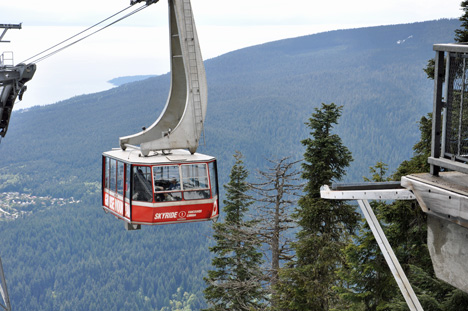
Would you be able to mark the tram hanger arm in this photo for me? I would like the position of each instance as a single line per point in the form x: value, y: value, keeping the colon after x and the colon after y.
x: 9, y: 76
x: 20, y: 73
x: 12, y: 81
x: 180, y: 125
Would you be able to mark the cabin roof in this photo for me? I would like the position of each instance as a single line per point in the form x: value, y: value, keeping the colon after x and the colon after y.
x: 175, y: 156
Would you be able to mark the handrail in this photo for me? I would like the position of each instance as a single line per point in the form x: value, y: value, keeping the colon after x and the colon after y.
x: 450, y: 108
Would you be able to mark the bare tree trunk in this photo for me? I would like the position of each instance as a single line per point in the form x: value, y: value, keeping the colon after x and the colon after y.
x: 275, y: 196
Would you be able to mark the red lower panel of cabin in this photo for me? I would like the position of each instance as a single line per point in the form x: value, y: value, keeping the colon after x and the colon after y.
x: 115, y: 204
x: 161, y: 212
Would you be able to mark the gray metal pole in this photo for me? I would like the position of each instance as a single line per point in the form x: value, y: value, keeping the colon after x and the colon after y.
x: 444, y: 110
x: 4, y: 290
x: 397, y: 271
x: 437, y: 110
x: 460, y: 117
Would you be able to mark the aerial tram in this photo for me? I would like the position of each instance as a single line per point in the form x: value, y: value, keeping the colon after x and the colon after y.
x: 156, y: 176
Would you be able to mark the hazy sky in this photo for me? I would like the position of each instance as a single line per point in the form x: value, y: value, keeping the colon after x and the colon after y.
x: 139, y: 44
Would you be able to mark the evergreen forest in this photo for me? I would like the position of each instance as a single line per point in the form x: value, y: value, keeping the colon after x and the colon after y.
x: 266, y: 105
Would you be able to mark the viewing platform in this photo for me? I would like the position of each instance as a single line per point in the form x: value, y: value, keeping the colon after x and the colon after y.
x: 443, y: 193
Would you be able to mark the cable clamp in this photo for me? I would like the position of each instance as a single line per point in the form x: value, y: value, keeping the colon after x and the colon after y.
x: 148, y: 2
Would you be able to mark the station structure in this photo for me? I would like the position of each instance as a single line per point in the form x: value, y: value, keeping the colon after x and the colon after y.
x: 442, y: 193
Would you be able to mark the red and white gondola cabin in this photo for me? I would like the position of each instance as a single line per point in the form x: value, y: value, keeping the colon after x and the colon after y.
x: 161, y: 189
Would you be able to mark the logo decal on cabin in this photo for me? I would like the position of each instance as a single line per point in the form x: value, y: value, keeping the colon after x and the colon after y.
x: 170, y: 215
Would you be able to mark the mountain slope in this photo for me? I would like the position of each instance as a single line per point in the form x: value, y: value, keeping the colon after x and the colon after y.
x: 259, y: 98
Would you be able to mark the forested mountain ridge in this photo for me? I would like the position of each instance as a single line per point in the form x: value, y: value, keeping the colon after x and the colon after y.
x: 259, y: 99
x: 378, y: 80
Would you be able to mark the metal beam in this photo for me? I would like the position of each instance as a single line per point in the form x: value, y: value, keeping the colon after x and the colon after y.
x: 451, y: 165
x: 439, y: 74
x: 362, y: 196
x: 386, y: 194
x: 6, y: 27
x: 368, y: 186
x: 451, y: 47
x: 3, y: 290
x: 397, y: 271
x: 10, y: 26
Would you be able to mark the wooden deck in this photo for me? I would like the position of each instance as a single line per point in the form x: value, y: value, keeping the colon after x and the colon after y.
x: 452, y: 181
x: 444, y: 196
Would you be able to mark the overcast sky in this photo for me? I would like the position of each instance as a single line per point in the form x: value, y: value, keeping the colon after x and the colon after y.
x: 139, y: 44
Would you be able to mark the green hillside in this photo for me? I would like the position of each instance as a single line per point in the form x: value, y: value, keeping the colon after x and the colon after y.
x: 259, y: 99
x: 79, y: 258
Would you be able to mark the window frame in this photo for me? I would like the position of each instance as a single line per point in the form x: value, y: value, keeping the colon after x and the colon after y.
x: 201, y: 191
x: 133, y: 191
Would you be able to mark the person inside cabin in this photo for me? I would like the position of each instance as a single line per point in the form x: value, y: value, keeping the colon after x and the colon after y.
x: 168, y: 197
x: 174, y: 185
x: 141, y: 187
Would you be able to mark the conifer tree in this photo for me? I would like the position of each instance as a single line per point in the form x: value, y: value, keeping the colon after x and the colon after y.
x: 236, y: 281
x: 461, y: 35
x: 372, y: 283
x: 404, y: 223
x: 308, y: 282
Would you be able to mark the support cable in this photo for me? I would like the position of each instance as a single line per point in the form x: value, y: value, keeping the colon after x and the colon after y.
x: 85, y: 37
x: 89, y: 28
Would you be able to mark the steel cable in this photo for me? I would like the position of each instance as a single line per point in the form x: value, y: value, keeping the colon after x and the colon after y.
x: 87, y: 36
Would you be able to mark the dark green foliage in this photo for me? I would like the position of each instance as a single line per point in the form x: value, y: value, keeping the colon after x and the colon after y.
x: 235, y: 284
x: 430, y: 68
x: 404, y: 223
x: 461, y: 35
x: 79, y: 258
x: 308, y: 282
x: 422, y: 150
x: 372, y: 285
x: 325, y: 158
x: 407, y: 231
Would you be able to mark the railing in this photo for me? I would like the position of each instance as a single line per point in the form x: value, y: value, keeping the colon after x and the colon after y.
x: 6, y: 59
x: 450, y: 111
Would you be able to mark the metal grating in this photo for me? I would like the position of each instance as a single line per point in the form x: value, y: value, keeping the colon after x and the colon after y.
x: 455, y: 138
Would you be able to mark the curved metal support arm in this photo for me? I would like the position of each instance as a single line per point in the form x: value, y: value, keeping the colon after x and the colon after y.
x: 12, y: 86
x: 181, y: 123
